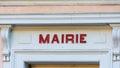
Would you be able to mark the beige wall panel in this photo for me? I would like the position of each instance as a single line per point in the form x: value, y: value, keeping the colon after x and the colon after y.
x: 67, y: 66
x: 59, y: 9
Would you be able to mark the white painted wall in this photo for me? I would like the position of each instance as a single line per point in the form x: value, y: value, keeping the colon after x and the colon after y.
x: 25, y: 46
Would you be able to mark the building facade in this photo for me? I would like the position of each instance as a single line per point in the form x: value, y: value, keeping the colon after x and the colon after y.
x: 60, y: 34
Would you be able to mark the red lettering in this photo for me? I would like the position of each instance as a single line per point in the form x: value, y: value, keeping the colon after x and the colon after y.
x: 76, y: 38
x: 55, y: 38
x: 42, y: 40
x: 82, y: 39
x: 69, y: 37
x: 62, y: 38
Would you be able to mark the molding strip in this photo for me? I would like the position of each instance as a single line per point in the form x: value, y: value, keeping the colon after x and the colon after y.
x: 67, y: 2
x: 61, y: 19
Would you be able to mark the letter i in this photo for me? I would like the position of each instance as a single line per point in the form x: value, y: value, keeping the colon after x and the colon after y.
x: 76, y: 38
x: 62, y: 40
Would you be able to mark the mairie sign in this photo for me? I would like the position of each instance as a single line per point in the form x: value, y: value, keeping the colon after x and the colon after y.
x: 62, y: 38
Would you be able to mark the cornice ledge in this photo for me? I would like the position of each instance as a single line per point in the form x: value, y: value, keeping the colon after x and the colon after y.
x: 5, y: 31
x: 116, y: 41
x: 60, y: 19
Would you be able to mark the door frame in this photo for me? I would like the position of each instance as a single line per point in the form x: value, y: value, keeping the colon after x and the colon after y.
x: 22, y: 57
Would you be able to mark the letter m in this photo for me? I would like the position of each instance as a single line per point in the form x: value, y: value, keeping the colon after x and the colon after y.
x: 44, y: 40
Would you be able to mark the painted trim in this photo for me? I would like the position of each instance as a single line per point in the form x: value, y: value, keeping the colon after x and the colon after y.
x: 58, y: 2
x: 5, y: 31
x: 61, y: 19
x: 116, y: 43
x: 62, y: 56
